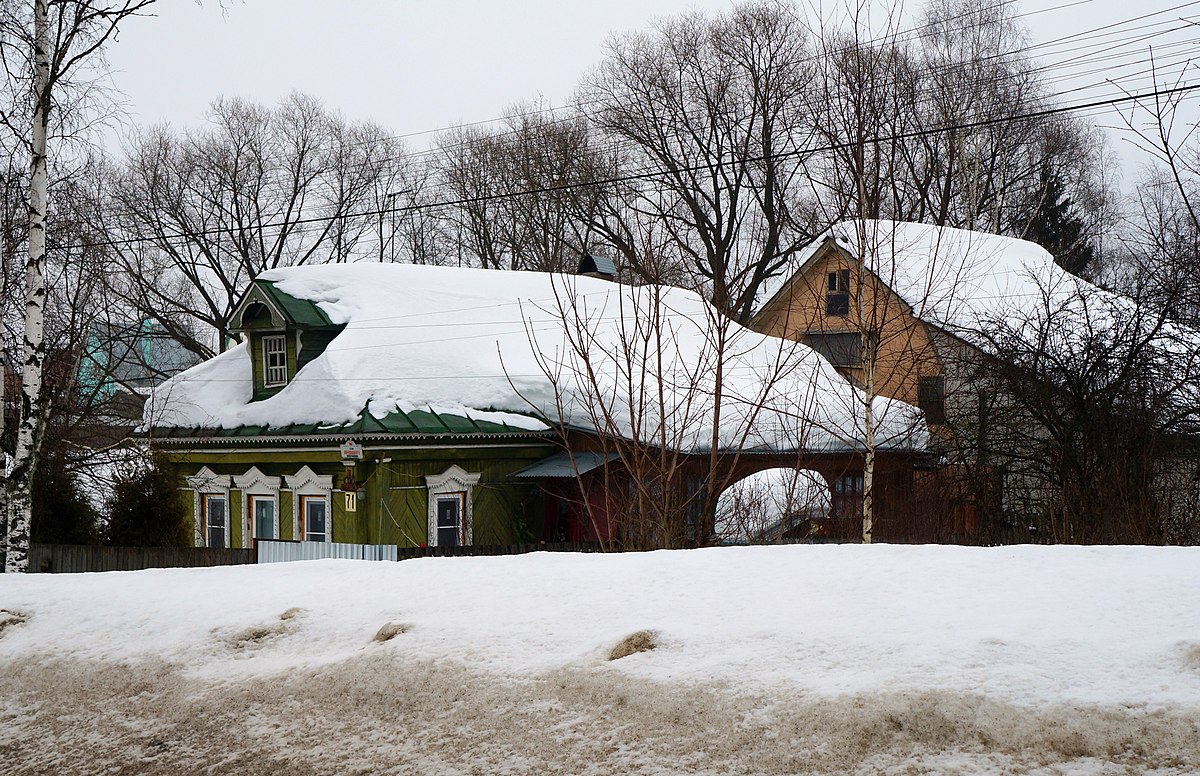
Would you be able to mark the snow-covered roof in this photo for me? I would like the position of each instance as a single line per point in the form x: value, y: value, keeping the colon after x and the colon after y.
x: 502, y: 345
x: 955, y: 278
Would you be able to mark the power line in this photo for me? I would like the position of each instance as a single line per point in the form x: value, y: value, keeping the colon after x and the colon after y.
x: 615, y: 145
x: 659, y: 173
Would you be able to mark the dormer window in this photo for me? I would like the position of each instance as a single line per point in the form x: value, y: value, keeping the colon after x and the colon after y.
x: 282, y: 333
x: 274, y: 350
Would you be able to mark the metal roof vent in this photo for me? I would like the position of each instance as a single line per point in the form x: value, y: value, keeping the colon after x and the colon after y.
x: 598, y: 267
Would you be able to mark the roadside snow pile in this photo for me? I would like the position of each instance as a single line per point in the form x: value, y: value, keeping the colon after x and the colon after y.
x: 1029, y: 624
x: 570, y: 348
x: 755, y: 660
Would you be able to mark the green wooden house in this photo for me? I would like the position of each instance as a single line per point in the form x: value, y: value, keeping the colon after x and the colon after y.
x: 410, y: 478
x: 415, y: 405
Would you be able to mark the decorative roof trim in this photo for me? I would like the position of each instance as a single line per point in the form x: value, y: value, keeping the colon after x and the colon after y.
x: 339, y: 437
x: 255, y: 295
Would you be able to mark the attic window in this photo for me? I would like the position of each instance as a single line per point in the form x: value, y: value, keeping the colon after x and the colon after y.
x: 844, y: 350
x: 274, y: 360
x: 837, y: 292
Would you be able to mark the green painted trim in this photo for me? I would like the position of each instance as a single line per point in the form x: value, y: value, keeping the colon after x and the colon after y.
x: 234, y: 509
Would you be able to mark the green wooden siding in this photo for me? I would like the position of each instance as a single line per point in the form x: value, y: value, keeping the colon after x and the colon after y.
x: 286, y: 502
x: 259, y: 368
x: 395, y: 507
x: 234, y: 509
x: 312, y: 344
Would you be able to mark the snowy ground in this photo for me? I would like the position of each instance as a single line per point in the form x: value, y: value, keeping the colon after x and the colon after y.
x: 803, y: 659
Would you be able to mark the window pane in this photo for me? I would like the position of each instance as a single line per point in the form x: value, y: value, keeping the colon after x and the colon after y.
x: 314, y: 520
x: 264, y: 519
x: 447, y: 537
x: 275, y: 359
x: 839, y: 349
x: 447, y: 513
x: 214, y: 518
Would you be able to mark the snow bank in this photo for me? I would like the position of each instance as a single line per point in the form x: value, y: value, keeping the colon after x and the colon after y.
x: 828, y: 659
x: 1109, y: 625
x: 467, y: 339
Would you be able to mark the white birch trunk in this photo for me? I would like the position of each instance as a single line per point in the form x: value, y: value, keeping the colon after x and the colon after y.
x: 869, y: 442
x: 33, y: 413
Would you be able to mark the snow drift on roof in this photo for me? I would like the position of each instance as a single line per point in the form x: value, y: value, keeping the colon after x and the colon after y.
x: 517, y: 342
x: 955, y: 278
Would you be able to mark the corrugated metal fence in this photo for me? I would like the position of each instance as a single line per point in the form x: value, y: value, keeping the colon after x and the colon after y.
x: 279, y: 551
x: 71, y: 558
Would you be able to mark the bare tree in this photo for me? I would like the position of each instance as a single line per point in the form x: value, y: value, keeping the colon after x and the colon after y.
x: 523, y: 194
x: 197, y: 215
x: 674, y: 396
x: 43, y: 46
x: 717, y: 111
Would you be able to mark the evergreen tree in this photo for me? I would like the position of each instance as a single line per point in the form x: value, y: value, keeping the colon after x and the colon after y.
x: 62, y: 514
x: 1053, y: 225
x: 147, y: 508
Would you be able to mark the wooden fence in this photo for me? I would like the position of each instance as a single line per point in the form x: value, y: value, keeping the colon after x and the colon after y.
x: 69, y: 558
x: 475, y: 550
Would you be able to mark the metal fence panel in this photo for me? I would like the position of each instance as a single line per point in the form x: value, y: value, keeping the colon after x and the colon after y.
x: 277, y: 551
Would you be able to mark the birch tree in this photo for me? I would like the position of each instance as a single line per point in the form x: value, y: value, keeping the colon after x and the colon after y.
x: 45, y: 46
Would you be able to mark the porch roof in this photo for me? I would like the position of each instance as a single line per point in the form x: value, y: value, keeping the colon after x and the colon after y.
x: 563, y: 465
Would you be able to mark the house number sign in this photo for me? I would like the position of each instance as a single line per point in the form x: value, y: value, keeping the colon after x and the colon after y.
x: 351, y: 502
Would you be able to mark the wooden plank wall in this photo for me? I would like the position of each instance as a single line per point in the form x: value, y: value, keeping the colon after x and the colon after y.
x: 69, y: 558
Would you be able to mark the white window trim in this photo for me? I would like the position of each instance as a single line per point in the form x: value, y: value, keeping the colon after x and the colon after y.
x: 203, y: 483
x: 450, y: 482
x: 281, y: 340
x: 255, y: 483
x: 308, y: 484
x: 304, y: 501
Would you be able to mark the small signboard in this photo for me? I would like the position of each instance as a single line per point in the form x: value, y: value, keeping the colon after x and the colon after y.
x: 352, y: 451
x: 351, y: 501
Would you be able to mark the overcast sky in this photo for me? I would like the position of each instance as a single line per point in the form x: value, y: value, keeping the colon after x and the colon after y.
x: 416, y: 65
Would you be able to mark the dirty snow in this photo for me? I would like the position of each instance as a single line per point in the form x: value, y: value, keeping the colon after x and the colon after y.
x: 825, y: 659
x: 513, y: 342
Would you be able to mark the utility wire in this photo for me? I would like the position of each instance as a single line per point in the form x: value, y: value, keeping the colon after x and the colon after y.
x: 712, y: 166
